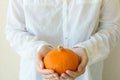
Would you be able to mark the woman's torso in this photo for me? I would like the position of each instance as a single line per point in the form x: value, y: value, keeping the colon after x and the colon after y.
x: 61, y: 22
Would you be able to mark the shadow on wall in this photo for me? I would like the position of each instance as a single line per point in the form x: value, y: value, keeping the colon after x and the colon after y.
x: 112, y: 65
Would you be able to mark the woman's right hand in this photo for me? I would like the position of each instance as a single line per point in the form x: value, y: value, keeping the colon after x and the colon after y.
x: 46, y: 73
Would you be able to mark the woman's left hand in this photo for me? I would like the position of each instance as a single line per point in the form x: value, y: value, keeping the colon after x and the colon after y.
x: 71, y: 75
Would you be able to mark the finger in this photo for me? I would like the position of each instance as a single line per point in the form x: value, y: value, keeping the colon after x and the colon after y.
x: 62, y: 78
x: 65, y: 76
x: 52, y: 79
x: 39, y: 61
x: 80, y: 68
x: 44, y: 71
x: 41, y: 64
x: 72, y: 74
x: 57, y: 78
x: 51, y: 76
x: 37, y: 67
x: 83, y: 64
x: 83, y: 71
x: 85, y: 61
x: 41, y: 54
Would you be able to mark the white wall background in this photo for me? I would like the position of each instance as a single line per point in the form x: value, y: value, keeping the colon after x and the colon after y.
x: 9, y: 60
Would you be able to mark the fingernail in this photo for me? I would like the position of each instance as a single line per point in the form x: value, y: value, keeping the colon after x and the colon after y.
x: 67, y: 71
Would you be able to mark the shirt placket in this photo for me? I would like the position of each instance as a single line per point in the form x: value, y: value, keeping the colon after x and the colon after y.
x: 65, y: 23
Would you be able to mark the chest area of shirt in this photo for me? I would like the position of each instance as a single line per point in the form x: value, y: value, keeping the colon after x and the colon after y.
x: 60, y: 2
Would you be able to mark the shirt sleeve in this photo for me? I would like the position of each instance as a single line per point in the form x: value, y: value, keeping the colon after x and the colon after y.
x: 25, y: 43
x: 99, y: 45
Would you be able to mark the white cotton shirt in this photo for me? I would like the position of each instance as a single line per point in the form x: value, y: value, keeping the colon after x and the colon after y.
x: 92, y: 24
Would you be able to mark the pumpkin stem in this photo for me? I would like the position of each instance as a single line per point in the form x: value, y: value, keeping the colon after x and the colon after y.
x: 60, y: 48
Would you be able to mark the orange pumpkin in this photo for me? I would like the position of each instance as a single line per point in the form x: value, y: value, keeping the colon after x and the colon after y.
x: 61, y: 59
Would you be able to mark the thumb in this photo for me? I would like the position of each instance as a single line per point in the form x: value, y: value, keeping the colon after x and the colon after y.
x: 80, y: 68
x: 40, y: 61
x: 83, y: 64
x: 41, y: 64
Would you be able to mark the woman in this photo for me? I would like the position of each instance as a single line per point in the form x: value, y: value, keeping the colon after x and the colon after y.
x: 91, y: 28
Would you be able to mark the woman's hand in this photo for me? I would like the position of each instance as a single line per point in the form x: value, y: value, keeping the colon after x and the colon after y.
x: 46, y: 73
x: 71, y: 75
